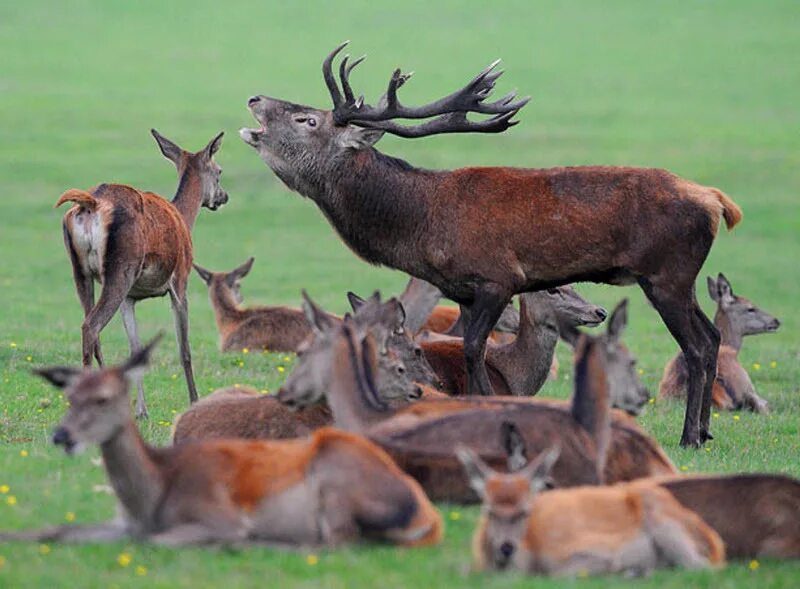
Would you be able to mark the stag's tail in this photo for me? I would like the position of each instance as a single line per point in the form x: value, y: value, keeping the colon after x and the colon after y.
x: 730, y: 210
x: 79, y: 197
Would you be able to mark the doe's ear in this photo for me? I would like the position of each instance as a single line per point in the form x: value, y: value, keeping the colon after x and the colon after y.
x: 171, y: 151
x: 354, y: 137
x: 317, y: 318
x: 213, y: 146
x: 724, y: 289
x: 139, y: 360
x: 356, y: 302
x: 60, y: 376
x: 206, y: 275
x: 618, y: 321
x: 477, y: 470
x: 713, y: 291
x: 242, y: 271
x: 514, y: 445
x: 538, y: 471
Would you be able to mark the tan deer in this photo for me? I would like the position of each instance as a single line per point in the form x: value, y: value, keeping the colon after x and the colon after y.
x: 422, y: 437
x: 280, y: 329
x: 522, y: 366
x: 735, y: 318
x: 241, y: 412
x: 138, y: 246
x: 630, y: 528
x: 297, y: 492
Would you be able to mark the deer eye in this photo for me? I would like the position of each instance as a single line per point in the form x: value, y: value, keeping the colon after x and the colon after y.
x: 101, y: 402
x: 312, y: 122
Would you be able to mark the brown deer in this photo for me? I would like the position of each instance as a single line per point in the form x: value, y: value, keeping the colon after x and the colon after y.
x: 522, y: 366
x: 483, y: 234
x: 241, y: 412
x: 421, y: 438
x: 629, y: 528
x: 232, y: 491
x: 735, y: 318
x: 280, y: 329
x: 139, y: 246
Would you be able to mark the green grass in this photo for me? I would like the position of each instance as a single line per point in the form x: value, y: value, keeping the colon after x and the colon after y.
x: 709, y: 90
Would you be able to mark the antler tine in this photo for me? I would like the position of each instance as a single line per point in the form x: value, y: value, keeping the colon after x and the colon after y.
x: 453, y: 122
x: 327, y: 73
x: 396, y: 81
x: 344, y: 77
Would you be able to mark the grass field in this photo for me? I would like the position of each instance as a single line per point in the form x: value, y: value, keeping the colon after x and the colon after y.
x: 709, y: 90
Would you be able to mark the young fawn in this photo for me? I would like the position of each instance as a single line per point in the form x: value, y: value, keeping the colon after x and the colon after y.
x: 244, y: 413
x: 138, y: 246
x: 520, y: 367
x: 630, y: 528
x: 233, y: 491
x: 422, y: 436
x: 280, y: 329
x: 735, y: 318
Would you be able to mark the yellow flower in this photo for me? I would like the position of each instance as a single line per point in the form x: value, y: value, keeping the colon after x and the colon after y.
x: 245, y: 350
x: 141, y: 571
x: 29, y: 358
x: 455, y: 516
x: 44, y: 549
x: 236, y: 385
x: 736, y: 418
x: 583, y: 573
x: 265, y: 391
x: 708, y: 449
x: 2, y: 561
x: 69, y: 516
x: 4, y: 489
x: 281, y: 369
x: 11, y: 500
x: 174, y: 376
x: 312, y: 560
x: 23, y: 453
x: 287, y: 359
x: 241, y: 364
x: 652, y: 401
x: 756, y: 366
x: 754, y: 564
x: 684, y: 468
x: 641, y: 371
x: 12, y: 345
x: 773, y: 364
x: 124, y: 559
x: 715, y: 414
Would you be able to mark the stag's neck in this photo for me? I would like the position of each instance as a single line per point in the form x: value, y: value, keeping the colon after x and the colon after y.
x: 379, y: 205
x: 728, y: 335
x: 525, y: 362
x: 134, y: 476
x: 189, y: 196
x: 590, y: 403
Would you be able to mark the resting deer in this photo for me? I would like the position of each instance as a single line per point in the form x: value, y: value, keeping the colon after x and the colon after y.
x: 482, y: 235
x: 629, y: 528
x: 736, y: 317
x: 422, y: 437
x: 232, y: 491
x: 522, y: 366
x: 244, y: 413
x: 280, y: 329
x: 138, y: 246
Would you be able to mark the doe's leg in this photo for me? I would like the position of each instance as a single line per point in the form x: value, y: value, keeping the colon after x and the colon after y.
x: 180, y: 308
x: 127, y: 309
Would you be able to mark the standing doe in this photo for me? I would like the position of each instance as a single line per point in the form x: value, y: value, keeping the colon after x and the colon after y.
x: 482, y: 235
x: 138, y: 246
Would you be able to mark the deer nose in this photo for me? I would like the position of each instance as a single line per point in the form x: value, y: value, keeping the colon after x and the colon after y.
x: 253, y: 100
x: 506, y: 549
x: 602, y: 313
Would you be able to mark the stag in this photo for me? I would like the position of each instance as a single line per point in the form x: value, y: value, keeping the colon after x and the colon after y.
x: 483, y: 234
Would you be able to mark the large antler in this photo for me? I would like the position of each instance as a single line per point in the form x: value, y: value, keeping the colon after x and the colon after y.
x: 450, y: 111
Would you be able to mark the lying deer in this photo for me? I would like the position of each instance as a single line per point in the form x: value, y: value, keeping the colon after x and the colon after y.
x: 469, y: 231
x: 520, y: 367
x: 242, y: 412
x: 232, y: 491
x: 736, y: 317
x: 421, y: 437
x: 138, y: 246
x: 629, y: 528
x: 280, y: 329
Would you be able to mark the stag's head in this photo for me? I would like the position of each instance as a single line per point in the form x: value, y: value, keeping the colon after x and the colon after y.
x: 301, y: 143
x: 99, y: 406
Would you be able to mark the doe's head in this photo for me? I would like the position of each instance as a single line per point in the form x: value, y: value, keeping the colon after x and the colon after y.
x: 226, y: 283
x: 741, y: 314
x: 99, y: 406
x: 625, y: 387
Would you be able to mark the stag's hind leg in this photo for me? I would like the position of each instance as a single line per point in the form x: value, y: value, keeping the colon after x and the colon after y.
x: 129, y: 321
x: 709, y: 355
x: 180, y: 308
x: 488, y: 305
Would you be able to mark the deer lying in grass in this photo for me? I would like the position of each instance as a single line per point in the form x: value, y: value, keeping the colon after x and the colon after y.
x: 232, y: 491
x: 138, y: 246
x: 244, y: 413
x: 522, y: 366
x: 629, y: 528
x: 469, y: 231
x: 422, y: 437
x: 736, y: 317
x: 280, y: 329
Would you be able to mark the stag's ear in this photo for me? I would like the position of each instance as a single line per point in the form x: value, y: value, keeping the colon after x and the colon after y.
x: 241, y: 271
x: 353, y: 137
x: 171, y: 151
x: 317, y: 318
x: 213, y: 146
x: 538, y: 471
x: 514, y: 445
x: 203, y: 273
x: 477, y: 470
x: 60, y: 376
x: 618, y: 321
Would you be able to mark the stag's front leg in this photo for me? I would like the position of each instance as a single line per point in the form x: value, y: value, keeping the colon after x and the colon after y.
x: 490, y: 300
x: 180, y: 308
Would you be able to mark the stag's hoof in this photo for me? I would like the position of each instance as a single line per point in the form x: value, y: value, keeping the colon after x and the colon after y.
x: 692, y: 441
x: 705, y: 436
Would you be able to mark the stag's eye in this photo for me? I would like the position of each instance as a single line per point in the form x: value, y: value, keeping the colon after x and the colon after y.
x: 312, y: 122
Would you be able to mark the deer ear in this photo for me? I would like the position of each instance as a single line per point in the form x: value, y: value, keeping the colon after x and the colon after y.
x: 724, y: 289
x: 213, y: 146
x: 137, y: 363
x: 395, y: 314
x: 356, y: 302
x: 353, y: 137
x: 618, y: 321
x: 203, y: 273
x: 244, y: 269
x: 713, y: 291
x: 477, y: 470
x: 60, y: 376
x: 317, y: 318
x: 538, y: 471
x: 514, y: 445
x: 171, y: 151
